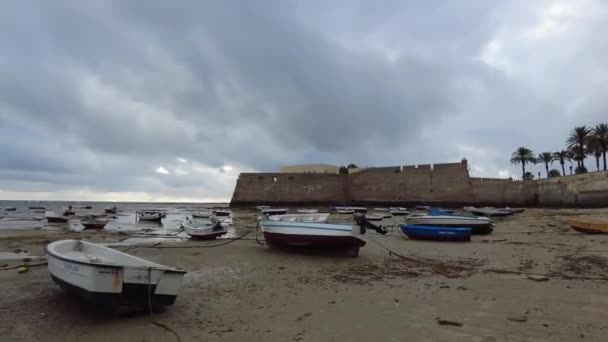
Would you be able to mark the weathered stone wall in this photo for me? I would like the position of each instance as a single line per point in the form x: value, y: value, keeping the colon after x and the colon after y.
x: 439, y: 184
x: 586, y: 190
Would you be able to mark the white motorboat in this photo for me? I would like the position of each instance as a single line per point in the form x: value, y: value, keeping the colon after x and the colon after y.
x: 274, y: 211
x: 91, y: 222
x: 221, y: 212
x: 201, y: 214
x: 306, y: 235
x: 344, y: 211
x: 204, y: 229
x: 490, y: 212
x: 225, y: 220
x: 52, y: 216
x: 109, y: 277
x: 149, y: 215
x: 318, y: 217
x: 478, y: 225
x: 350, y: 210
x: 398, y: 211
x: 307, y: 211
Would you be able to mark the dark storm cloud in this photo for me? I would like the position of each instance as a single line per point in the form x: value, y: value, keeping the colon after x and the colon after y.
x: 100, y: 95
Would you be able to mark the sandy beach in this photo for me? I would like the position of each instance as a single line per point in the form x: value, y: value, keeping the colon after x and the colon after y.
x: 422, y: 291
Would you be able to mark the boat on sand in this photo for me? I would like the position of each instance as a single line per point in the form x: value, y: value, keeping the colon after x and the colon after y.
x: 201, y: 214
x: 318, y: 217
x: 436, y: 233
x: 204, y: 229
x: 149, y: 215
x: 314, y: 235
x: 53, y: 217
x: 274, y: 211
x: 111, y: 210
x: 589, y: 227
x: 111, y: 278
x: 478, y: 225
x: 91, y: 222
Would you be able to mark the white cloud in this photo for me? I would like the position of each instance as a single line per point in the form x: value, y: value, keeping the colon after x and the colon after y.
x: 162, y: 170
x: 182, y: 160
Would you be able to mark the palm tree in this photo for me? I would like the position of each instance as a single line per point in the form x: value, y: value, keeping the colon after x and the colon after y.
x: 594, y: 149
x: 562, y: 156
x: 547, y: 158
x: 523, y: 155
x: 600, y: 132
x: 576, y: 143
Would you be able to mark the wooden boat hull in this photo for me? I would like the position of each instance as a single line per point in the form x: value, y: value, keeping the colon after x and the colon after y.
x: 112, y: 285
x: 589, y: 227
x: 419, y: 232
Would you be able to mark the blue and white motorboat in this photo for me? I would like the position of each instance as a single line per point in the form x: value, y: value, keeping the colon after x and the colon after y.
x: 436, y: 233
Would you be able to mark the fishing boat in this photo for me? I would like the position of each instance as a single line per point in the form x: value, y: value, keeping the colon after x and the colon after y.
x: 307, y: 211
x: 274, y: 211
x: 53, y: 217
x: 344, y: 211
x: 318, y: 217
x: 83, y: 207
x: 478, y: 225
x: 490, y: 212
x: 436, y: 233
x: 374, y: 217
x: 350, y: 210
x: 111, y: 278
x: 201, y: 214
x: 314, y: 235
x: 442, y: 210
x: 423, y: 207
x: 204, y: 229
x: 515, y: 210
x: 111, y: 210
x: 93, y: 223
x: 222, y: 212
x: 10, y: 209
x: 398, y: 211
x: 589, y: 227
x: 149, y: 215
x: 36, y: 207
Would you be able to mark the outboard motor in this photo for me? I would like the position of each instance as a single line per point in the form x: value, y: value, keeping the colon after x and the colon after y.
x: 362, y: 222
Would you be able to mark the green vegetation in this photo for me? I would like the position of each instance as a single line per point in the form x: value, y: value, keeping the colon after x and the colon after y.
x: 583, y: 141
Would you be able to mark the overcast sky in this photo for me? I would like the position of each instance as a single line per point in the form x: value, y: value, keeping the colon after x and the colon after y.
x: 171, y: 100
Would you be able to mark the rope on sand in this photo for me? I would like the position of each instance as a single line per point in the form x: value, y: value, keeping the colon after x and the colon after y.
x: 179, y: 339
x: 493, y: 270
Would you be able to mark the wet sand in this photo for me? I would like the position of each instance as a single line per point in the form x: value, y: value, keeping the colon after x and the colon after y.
x: 242, y: 291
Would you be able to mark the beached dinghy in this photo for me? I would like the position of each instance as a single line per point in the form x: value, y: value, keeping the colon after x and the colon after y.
x: 420, y: 232
x: 36, y: 207
x: 318, y: 217
x: 274, y: 211
x: 490, y: 212
x: 204, y: 229
x: 109, y: 277
x: 589, y: 227
x: 307, y: 211
x: 307, y: 235
x: 201, y: 214
x: 111, y: 210
x: 149, y: 216
x: 478, y: 225
x: 350, y: 210
x: 398, y: 211
x: 10, y: 209
x: 93, y: 223
x: 53, y: 217
x: 221, y: 212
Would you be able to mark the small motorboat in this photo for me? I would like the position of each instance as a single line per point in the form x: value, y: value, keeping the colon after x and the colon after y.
x: 350, y: 210
x: 515, y: 210
x: 398, y: 211
x: 442, y: 210
x: 423, y: 207
x: 35, y: 207
x: 204, y: 229
x: 589, y: 227
x: 111, y: 210
x: 222, y: 212
x: 387, y: 215
x: 83, y: 207
x: 318, y: 217
x: 93, y: 223
x: 309, y: 235
x: 10, y: 209
x: 307, y: 211
x: 436, y: 233
x: 490, y: 212
x: 478, y: 225
x: 53, y: 217
x: 344, y: 211
x: 374, y: 217
x: 149, y: 215
x: 274, y: 211
x: 201, y: 214
x: 111, y: 278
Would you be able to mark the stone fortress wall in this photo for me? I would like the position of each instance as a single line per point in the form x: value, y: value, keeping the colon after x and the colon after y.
x: 439, y: 184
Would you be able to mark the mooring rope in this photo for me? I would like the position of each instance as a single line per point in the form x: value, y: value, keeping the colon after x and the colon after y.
x: 179, y: 339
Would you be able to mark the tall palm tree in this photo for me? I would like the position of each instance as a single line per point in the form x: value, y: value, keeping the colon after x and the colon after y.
x: 547, y: 158
x: 523, y: 156
x: 576, y: 143
x: 600, y: 132
x: 562, y: 156
x: 594, y: 149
